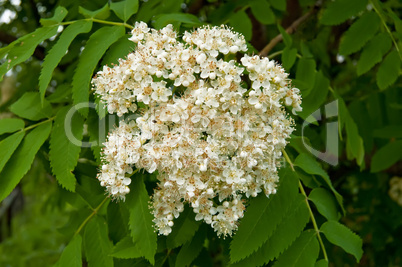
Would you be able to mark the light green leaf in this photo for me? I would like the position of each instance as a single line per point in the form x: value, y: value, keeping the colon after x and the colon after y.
x: 305, y: 75
x: 262, y: 11
x: 386, y: 156
x: 120, y: 49
x: 263, y: 216
x: 97, y: 245
x: 340, y: 10
x: 59, y: 14
x: 102, y: 13
x: 126, y: 249
x: 124, y: 9
x: 242, y: 23
x: 21, y: 161
x: 10, y: 125
x: 359, y: 33
x: 191, y: 249
x: 303, y: 252
x: 8, y: 146
x: 96, y: 46
x: 309, y: 165
x: 338, y: 234
x: 140, y: 223
x: 373, y: 52
x: 292, y: 224
x: 287, y: 39
x: 183, y: 230
x: 29, y: 107
x: 288, y: 57
x: 165, y: 19
x: 278, y: 4
x: 57, y: 52
x: 64, y: 153
x: 71, y: 256
x: 389, y: 69
x: 21, y: 49
x: 325, y: 203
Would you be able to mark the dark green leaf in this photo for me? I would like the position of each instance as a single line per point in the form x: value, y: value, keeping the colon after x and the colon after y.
x: 96, y: 46
x: 242, y: 23
x: 262, y: 11
x: 359, y: 33
x: 126, y: 249
x: 286, y: 37
x: 303, y: 252
x: 183, y: 230
x: 325, y: 203
x: 59, y: 14
x: 305, y: 75
x: 21, y: 49
x: 140, y: 224
x: 29, y: 106
x: 120, y: 49
x: 340, y: 10
x: 386, y: 156
x: 259, y: 221
x: 373, y: 52
x: 124, y: 9
x: 191, y: 249
x: 56, y: 53
x: 389, y: 131
x: 8, y: 146
x: 97, y: 245
x: 101, y: 13
x: 288, y: 57
x: 321, y: 263
x: 65, y: 146
x: 278, y: 4
x: 338, y: 234
x: 71, y: 256
x: 21, y: 161
x: 389, y: 70
x: 10, y: 125
x: 165, y: 19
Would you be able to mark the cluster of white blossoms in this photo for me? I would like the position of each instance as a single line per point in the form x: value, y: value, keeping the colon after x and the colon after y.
x: 211, y: 127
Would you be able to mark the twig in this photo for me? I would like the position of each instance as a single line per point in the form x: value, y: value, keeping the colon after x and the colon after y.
x: 289, y: 30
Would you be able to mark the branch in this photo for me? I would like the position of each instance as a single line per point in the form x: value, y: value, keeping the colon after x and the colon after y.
x: 289, y: 30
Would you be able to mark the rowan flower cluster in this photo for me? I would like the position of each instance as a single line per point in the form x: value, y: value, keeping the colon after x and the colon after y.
x: 211, y: 127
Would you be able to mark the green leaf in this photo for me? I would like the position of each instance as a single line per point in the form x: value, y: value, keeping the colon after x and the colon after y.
x: 321, y: 263
x: 286, y: 37
x: 354, y: 143
x: 140, y: 224
x: 389, y: 69
x: 102, y: 13
x: 59, y: 14
x: 359, y: 33
x: 389, y: 131
x: 96, y: 46
x: 97, y: 245
x: 288, y: 57
x: 242, y: 23
x: 325, y: 203
x: 124, y: 9
x: 183, y: 230
x: 338, y: 234
x: 71, y: 256
x: 29, y: 107
x: 373, y: 52
x: 303, y: 252
x: 191, y: 249
x: 120, y: 49
x: 21, y: 49
x: 292, y: 224
x: 8, y: 146
x: 386, y: 156
x: 340, y: 10
x: 262, y: 217
x: 21, y: 161
x: 64, y: 153
x: 10, y: 125
x: 57, y: 52
x: 278, y: 4
x: 309, y: 165
x: 165, y: 19
x: 305, y: 75
x: 126, y: 249
x: 262, y: 11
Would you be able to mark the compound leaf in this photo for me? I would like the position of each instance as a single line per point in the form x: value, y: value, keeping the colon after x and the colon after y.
x: 389, y: 70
